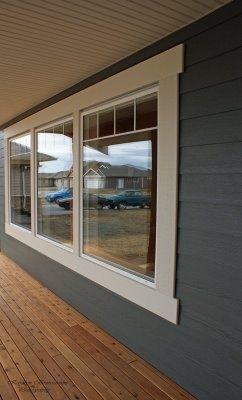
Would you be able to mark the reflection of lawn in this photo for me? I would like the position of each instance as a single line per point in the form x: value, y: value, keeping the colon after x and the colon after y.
x: 56, y: 226
x: 120, y: 236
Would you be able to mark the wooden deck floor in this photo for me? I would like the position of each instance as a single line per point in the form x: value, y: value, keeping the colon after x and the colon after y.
x: 48, y: 350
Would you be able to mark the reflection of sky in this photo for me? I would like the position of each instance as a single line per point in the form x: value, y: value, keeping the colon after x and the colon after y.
x: 58, y: 146
x: 23, y: 140
x: 134, y: 153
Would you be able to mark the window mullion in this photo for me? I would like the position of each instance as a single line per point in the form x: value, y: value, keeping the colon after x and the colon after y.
x: 77, y: 173
x: 33, y: 183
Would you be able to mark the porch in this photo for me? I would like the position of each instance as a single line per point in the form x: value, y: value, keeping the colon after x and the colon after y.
x: 48, y: 350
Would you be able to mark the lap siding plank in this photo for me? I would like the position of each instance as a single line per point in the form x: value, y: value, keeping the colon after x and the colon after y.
x: 47, y: 342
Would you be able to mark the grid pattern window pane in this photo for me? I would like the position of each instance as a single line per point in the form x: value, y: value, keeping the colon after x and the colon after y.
x: 20, y: 181
x: 146, y: 112
x: 55, y: 183
x: 119, y: 189
x: 90, y: 127
x: 125, y: 118
x: 106, y: 122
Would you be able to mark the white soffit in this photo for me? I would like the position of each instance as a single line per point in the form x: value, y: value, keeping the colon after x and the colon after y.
x: 48, y: 45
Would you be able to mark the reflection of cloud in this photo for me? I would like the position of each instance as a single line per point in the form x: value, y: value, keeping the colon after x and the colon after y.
x: 58, y: 146
x: 136, y: 153
x: 54, y: 144
x: 55, y: 166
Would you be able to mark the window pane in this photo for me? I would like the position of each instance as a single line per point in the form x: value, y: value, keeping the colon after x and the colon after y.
x: 90, y: 126
x: 20, y: 181
x: 55, y: 183
x: 146, y: 112
x: 119, y: 201
x: 125, y: 118
x: 106, y: 122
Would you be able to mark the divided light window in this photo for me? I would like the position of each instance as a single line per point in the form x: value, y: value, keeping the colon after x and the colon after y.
x: 119, y: 184
x: 55, y: 182
x: 20, y: 177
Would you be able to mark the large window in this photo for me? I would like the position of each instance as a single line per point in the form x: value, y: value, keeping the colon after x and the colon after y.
x: 55, y: 182
x: 119, y: 185
x: 20, y: 173
x: 97, y: 191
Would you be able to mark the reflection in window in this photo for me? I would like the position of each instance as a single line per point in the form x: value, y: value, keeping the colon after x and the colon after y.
x: 146, y: 112
x: 90, y: 127
x: 125, y: 118
x: 55, y: 182
x: 119, y: 198
x: 20, y: 191
x: 106, y: 122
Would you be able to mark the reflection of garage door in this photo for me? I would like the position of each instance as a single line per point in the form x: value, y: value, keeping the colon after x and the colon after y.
x: 93, y: 183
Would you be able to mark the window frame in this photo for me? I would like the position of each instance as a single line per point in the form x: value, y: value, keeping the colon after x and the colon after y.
x: 137, y: 95
x: 8, y: 211
x: 162, y: 70
x: 35, y: 150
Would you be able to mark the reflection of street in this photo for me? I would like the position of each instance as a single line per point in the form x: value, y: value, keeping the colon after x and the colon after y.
x: 119, y: 236
x: 54, y: 209
x: 55, y: 223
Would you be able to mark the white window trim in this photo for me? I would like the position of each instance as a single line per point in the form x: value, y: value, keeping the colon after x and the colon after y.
x: 34, y: 216
x: 110, y: 105
x: 162, y: 70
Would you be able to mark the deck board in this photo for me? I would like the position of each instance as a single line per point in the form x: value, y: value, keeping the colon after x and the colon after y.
x: 49, y: 351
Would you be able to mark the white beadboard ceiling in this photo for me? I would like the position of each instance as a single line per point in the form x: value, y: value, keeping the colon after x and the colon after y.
x: 48, y: 45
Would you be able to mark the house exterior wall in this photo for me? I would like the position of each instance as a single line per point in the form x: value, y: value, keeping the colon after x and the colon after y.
x: 202, y: 353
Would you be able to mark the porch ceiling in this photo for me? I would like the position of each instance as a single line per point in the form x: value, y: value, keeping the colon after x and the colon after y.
x: 48, y: 45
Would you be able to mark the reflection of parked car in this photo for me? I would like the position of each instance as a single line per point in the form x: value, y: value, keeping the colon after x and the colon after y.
x: 89, y: 201
x: 67, y: 203
x: 130, y: 198
x: 61, y: 194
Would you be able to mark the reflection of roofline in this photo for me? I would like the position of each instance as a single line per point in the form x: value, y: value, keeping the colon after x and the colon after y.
x: 25, y: 157
x: 22, y: 154
x: 119, y: 171
x: 95, y: 172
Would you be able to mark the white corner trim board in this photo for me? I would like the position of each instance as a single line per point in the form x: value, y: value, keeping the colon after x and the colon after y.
x: 161, y: 71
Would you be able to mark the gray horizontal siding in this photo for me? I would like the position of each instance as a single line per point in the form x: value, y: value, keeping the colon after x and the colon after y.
x: 210, y: 208
x: 213, y: 71
x: 213, y: 42
x: 211, y: 188
x: 214, y: 99
x: 212, y: 158
x: 203, y: 353
x: 218, y: 218
x: 216, y: 128
x: 215, y: 280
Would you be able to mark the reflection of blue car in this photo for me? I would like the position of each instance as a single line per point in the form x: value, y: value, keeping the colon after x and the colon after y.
x: 61, y: 194
x: 89, y: 201
x: 130, y: 198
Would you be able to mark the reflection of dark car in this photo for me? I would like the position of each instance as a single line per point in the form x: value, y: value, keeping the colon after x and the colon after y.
x: 130, y: 198
x: 61, y: 194
x: 67, y: 203
x: 89, y: 201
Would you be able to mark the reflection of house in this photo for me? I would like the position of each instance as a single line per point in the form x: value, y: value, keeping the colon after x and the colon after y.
x: 107, y: 176
x: 20, y: 176
x: 45, y: 179
x: 61, y: 179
